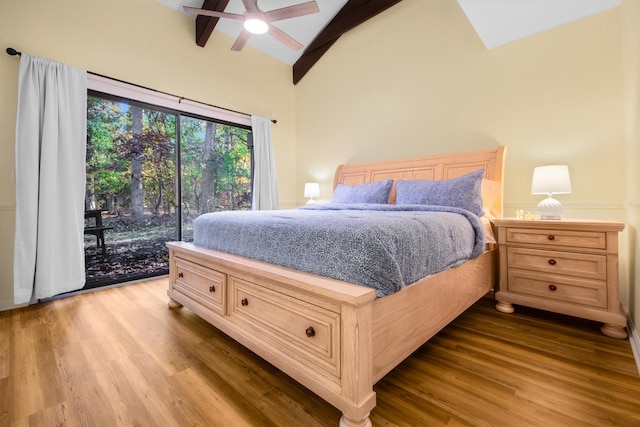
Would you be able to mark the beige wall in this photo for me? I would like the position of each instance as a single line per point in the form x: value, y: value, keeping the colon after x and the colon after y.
x: 631, y: 44
x: 416, y: 80
x: 146, y: 43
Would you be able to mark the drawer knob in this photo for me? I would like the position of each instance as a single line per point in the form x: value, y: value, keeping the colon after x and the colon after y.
x: 552, y: 262
x: 553, y: 287
x: 212, y: 288
x: 181, y: 275
x: 244, y: 301
x: 551, y: 237
x: 310, y: 332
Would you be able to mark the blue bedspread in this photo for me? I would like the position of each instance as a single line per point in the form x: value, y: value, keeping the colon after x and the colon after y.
x: 385, y: 247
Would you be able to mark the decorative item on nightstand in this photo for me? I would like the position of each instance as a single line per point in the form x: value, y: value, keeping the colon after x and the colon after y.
x: 311, y: 190
x: 550, y: 180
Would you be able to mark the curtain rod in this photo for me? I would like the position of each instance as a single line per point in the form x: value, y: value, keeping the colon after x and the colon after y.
x: 11, y: 51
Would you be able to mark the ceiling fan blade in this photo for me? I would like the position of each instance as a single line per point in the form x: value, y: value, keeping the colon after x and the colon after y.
x: 213, y: 13
x: 292, y: 11
x: 251, y: 5
x: 242, y: 40
x: 284, y: 38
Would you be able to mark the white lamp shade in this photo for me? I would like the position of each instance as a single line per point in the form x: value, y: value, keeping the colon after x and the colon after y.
x: 552, y: 179
x: 312, y: 189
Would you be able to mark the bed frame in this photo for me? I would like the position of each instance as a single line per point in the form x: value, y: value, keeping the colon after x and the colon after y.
x: 334, y: 337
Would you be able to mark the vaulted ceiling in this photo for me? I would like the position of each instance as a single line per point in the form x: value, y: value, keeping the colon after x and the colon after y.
x: 318, y: 32
x: 496, y: 22
x: 501, y: 22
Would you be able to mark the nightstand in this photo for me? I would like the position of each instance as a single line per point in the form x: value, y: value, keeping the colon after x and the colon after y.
x: 565, y: 266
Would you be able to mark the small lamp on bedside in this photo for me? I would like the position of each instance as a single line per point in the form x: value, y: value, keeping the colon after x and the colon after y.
x: 311, y: 190
x: 550, y: 180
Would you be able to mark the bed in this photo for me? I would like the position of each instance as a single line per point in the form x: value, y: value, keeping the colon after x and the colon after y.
x: 337, y: 338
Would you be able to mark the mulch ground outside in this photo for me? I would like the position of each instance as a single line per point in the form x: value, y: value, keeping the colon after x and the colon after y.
x: 124, y: 262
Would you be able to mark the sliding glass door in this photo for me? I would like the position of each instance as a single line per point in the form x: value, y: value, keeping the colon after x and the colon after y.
x: 143, y: 191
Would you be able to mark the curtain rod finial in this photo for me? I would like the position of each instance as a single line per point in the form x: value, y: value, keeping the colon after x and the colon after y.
x: 11, y: 51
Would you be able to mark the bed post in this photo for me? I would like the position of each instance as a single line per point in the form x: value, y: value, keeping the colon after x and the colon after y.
x: 357, y: 367
x: 172, y: 279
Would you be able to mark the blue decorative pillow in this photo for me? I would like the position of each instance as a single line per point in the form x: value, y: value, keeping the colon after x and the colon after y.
x: 372, y: 192
x: 462, y: 192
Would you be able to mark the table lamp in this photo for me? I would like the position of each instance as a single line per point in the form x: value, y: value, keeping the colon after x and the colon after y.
x: 311, y: 190
x: 550, y: 180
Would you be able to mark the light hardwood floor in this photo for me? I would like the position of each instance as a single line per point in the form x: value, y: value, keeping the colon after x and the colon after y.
x: 120, y: 357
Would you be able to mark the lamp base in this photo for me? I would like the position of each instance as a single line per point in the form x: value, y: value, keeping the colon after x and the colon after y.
x: 311, y: 201
x: 549, y: 218
x: 550, y: 209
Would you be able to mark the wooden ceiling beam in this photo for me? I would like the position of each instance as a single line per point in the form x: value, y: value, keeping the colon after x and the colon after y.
x: 352, y: 14
x: 206, y: 24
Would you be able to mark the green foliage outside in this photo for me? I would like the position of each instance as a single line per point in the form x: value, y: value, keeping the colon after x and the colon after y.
x: 215, y: 159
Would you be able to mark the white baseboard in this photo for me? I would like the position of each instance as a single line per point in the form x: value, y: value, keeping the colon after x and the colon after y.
x: 9, y: 305
x: 634, y: 340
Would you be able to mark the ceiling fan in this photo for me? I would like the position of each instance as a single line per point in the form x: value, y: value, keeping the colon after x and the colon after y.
x: 258, y: 22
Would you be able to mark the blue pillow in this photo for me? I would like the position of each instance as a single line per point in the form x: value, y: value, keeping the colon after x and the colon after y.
x: 462, y: 192
x: 372, y: 192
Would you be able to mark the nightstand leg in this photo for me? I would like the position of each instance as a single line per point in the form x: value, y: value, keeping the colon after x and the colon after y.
x: 613, y: 331
x: 173, y: 303
x: 504, y: 307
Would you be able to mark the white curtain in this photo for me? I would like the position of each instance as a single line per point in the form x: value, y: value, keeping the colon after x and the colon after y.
x: 51, y: 132
x: 265, y: 181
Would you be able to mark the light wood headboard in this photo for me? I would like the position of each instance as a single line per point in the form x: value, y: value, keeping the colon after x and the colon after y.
x: 438, y: 167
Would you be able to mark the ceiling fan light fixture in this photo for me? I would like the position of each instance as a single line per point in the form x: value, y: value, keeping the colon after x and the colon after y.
x: 255, y: 21
x: 255, y: 26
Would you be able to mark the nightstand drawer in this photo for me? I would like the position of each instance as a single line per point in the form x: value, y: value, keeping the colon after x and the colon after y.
x: 557, y: 238
x: 577, y: 291
x: 556, y: 262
